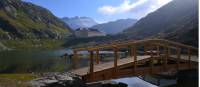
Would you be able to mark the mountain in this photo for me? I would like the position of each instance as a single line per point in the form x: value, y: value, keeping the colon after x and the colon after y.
x: 115, y: 27
x: 79, y: 22
x: 177, y: 20
x: 23, y: 20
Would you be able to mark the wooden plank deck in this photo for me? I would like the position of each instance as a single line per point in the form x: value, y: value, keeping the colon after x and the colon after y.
x: 194, y: 58
x: 121, y: 62
x: 108, y: 65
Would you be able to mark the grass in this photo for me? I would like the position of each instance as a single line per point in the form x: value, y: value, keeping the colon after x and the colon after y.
x: 15, y: 80
x: 33, y: 43
x: 19, y: 77
x: 25, y: 24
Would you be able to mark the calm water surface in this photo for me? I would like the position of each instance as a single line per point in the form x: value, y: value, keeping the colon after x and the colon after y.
x: 35, y: 61
x: 50, y: 60
x: 42, y: 60
x: 135, y: 82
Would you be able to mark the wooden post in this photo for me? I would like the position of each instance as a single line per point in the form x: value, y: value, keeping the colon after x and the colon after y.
x: 189, y: 58
x: 166, y: 48
x: 152, y: 59
x: 91, y: 65
x: 134, y: 55
x: 169, y: 51
x: 159, y: 56
x: 116, y: 56
x: 158, y: 51
x: 74, y: 59
x: 145, y: 49
x: 178, y: 53
x: 97, y: 57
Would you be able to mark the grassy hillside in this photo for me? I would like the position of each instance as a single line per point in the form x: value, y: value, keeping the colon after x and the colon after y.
x: 28, y: 23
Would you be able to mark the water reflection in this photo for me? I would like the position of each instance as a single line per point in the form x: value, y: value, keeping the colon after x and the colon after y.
x: 44, y: 60
x: 135, y: 82
x: 33, y: 61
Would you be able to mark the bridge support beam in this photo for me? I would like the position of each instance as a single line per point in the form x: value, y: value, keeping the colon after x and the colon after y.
x: 158, y: 51
x: 189, y: 58
x: 152, y: 59
x: 74, y: 59
x: 178, y: 53
x: 145, y: 49
x: 169, y: 51
x: 91, y: 65
x: 166, y: 48
x: 116, y: 57
x: 134, y: 55
x: 97, y: 57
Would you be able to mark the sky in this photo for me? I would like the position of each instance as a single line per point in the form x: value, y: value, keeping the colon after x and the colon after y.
x: 101, y: 10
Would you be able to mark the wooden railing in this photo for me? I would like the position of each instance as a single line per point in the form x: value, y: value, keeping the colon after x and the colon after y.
x: 162, y: 47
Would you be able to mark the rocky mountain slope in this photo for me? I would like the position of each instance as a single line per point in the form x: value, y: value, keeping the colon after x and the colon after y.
x: 79, y: 22
x: 178, y: 20
x: 23, y: 20
x: 115, y: 27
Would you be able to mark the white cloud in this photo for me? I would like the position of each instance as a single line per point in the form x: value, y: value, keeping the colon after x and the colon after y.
x: 157, y: 4
x: 139, y: 7
x: 126, y: 6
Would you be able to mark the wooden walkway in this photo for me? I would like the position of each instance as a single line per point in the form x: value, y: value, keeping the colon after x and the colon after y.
x: 121, y: 62
x: 104, y: 66
x: 167, y: 54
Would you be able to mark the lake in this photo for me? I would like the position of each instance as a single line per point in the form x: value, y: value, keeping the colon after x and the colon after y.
x: 34, y: 61
x: 135, y: 82
x: 43, y: 60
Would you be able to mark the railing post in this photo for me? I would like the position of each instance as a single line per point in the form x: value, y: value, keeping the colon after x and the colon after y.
x: 158, y: 51
x: 189, y: 58
x: 145, y: 49
x: 91, y: 65
x: 178, y: 53
x: 169, y: 51
x: 116, y: 56
x: 97, y: 57
x: 152, y: 59
x: 159, y: 56
x: 134, y: 55
x: 166, y: 48
x: 74, y: 59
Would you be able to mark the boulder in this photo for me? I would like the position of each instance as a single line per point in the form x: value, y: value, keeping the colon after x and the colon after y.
x: 57, y: 80
x: 69, y: 80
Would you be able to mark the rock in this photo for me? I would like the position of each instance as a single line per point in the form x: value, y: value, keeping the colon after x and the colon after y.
x: 120, y: 84
x: 114, y: 85
x: 3, y: 47
x: 57, y: 80
x: 69, y: 80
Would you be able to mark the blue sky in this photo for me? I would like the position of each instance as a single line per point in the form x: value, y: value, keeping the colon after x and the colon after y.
x: 101, y: 10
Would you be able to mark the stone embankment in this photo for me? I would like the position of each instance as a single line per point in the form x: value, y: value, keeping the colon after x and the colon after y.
x: 68, y: 80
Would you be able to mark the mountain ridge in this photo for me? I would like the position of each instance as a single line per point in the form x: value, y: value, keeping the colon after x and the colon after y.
x: 114, y: 27
x: 24, y: 20
x: 79, y: 22
x: 175, y: 19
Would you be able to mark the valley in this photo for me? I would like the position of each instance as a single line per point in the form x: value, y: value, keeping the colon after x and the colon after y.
x: 38, y: 42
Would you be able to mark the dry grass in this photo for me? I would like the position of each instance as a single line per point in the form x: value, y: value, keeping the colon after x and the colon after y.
x: 15, y: 80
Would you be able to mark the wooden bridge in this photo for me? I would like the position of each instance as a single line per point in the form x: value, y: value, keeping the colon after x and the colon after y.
x: 151, y: 56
